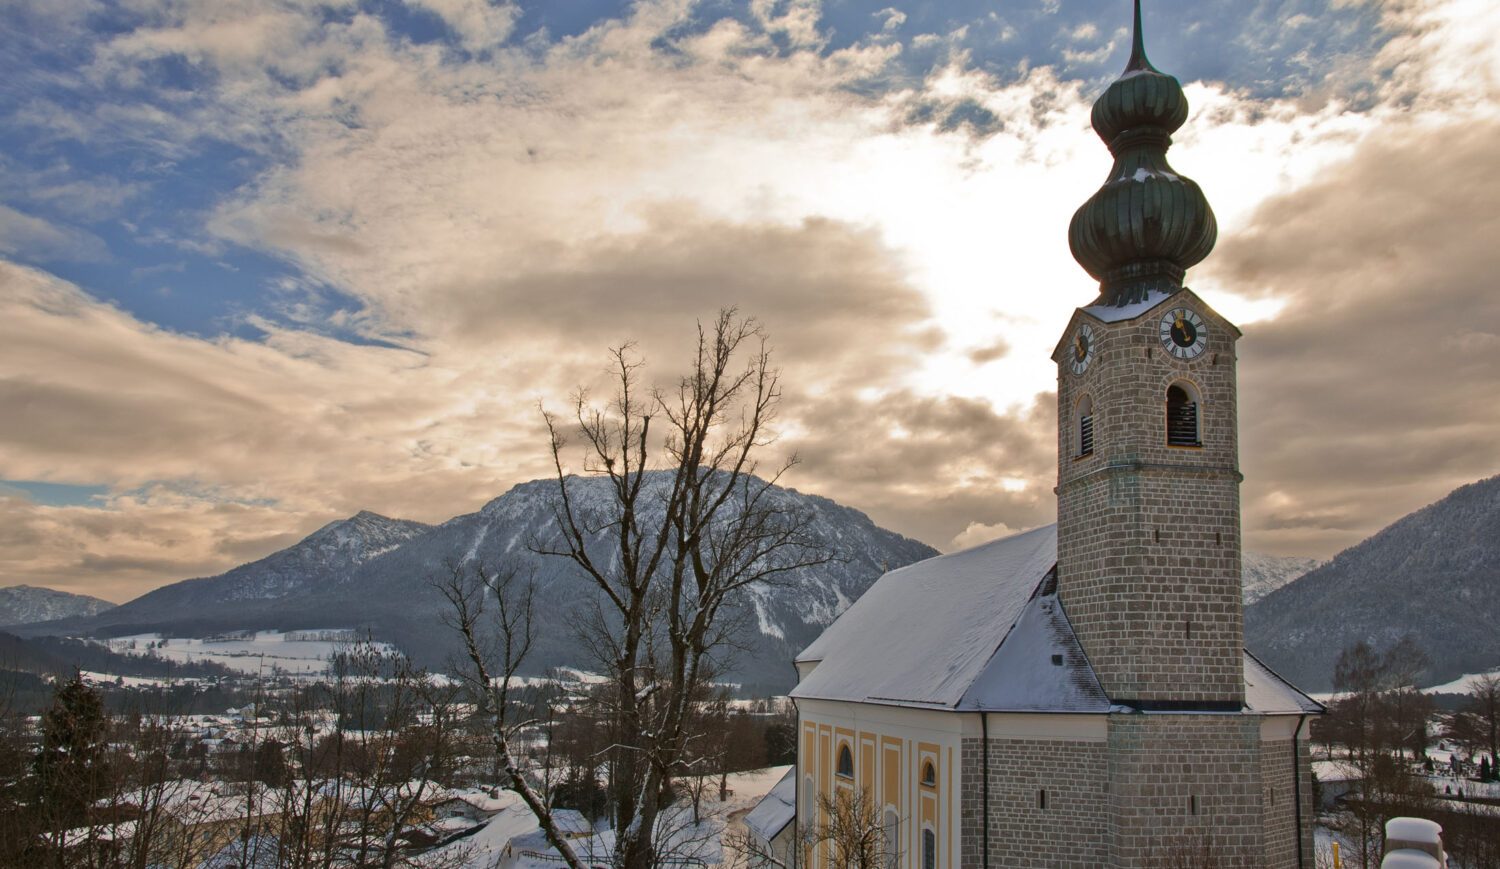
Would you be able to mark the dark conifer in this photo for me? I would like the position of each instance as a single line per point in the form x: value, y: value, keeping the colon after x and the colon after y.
x: 71, y: 764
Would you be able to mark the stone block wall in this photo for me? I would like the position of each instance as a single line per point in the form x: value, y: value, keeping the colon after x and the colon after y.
x: 1184, y: 785
x: 1149, y: 534
x: 1071, y: 831
x: 1283, y: 835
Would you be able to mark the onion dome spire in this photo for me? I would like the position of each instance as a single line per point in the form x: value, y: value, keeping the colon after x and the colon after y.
x: 1147, y: 225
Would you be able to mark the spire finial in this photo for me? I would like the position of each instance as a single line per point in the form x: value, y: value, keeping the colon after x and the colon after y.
x: 1138, y: 45
x: 1148, y: 224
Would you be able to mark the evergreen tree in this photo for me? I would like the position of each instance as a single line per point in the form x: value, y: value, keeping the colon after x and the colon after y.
x: 71, y: 765
x: 1484, y: 769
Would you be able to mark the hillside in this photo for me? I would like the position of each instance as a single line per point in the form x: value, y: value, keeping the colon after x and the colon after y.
x: 1434, y: 574
x: 1262, y: 574
x: 27, y: 604
x: 377, y: 577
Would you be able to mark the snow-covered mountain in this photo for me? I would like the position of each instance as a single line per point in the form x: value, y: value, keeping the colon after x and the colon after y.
x: 376, y: 573
x: 25, y: 604
x: 326, y: 556
x: 1433, y: 574
x: 1262, y: 574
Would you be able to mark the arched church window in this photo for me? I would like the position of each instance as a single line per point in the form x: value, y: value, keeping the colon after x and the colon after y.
x: 1084, y: 443
x: 846, y: 762
x: 809, y: 807
x: 929, y: 849
x: 1182, y: 416
x: 929, y: 774
x: 892, y: 838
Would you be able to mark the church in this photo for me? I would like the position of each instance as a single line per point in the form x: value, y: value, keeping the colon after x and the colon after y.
x: 1079, y: 694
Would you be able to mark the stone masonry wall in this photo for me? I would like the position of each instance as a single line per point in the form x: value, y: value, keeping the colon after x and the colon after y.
x: 1185, y: 785
x: 1070, y: 832
x: 1281, y: 813
x: 1149, y: 534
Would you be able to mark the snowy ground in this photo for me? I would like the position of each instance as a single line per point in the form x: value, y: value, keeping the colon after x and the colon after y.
x: 260, y: 653
x: 486, y: 849
x: 93, y: 678
x: 1462, y: 685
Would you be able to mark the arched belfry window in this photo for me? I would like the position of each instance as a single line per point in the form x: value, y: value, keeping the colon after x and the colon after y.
x: 1084, y: 429
x: 1182, y: 416
x: 929, y: 774
x: 846, y: 762
x: 929, y: 849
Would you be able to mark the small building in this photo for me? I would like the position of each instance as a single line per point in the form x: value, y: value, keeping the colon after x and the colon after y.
x: 770, y: 823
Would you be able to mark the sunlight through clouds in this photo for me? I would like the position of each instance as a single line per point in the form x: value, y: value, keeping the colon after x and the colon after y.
x: 444, y: 222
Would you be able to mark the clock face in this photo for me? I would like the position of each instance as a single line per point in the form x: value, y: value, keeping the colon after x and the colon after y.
x: 1083, y: 349
x: 1184, y: 333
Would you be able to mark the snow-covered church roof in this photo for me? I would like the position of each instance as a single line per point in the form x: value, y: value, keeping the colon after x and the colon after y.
x: 981, y: 629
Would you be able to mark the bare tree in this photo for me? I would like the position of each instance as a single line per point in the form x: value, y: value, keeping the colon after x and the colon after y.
x: 848, y: 826
x: 496, y: 642
x: 689, y: 526
x: 1484, y: 704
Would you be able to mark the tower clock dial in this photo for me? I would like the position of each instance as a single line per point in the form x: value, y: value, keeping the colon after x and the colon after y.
x: 1083, y: 348
x: 1184, y: 333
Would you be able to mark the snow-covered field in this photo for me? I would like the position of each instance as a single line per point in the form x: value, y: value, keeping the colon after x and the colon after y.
x: 260, y: 653
x: 488, y: 847
x: 1462, y: 685
x: 93, y: 678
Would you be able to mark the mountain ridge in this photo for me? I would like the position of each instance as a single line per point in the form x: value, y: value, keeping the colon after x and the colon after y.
x: 386, y: 588
x: 28, y: 604
x: 1442, y: 561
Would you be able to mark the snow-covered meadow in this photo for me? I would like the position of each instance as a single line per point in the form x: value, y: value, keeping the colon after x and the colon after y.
x: 258, y: 653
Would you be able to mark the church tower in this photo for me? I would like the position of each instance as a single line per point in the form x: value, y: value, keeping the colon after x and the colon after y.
x: 1148, y: 460
x: 1080, y: 695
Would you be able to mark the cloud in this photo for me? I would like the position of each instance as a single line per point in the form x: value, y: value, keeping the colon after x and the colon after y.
x: 1369, y: 395
x: 32, y: 237
x: 929, y: 465
x: 495, y: 217
x: 478, y: 24
x: 978, y: 533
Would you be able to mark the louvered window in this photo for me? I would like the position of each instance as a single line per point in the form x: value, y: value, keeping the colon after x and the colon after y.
x: 1182, y: 418
x: 1085, y: 443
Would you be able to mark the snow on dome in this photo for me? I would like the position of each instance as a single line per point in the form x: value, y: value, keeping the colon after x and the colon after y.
x: 1413, y: 830
x: 1405, y: 859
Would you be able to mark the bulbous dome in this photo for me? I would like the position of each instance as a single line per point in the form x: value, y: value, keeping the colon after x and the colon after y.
x: 1148, y: 224
x: 1143, y: 97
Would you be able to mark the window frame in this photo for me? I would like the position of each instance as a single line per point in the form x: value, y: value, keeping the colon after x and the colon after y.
x: 1084, y: 440
x: 844, y: 763
x: 1194, y: 399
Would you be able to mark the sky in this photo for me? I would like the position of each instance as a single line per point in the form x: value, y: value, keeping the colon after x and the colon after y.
x: 267, y: 263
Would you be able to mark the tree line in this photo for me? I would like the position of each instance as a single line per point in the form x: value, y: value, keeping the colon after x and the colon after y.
x: 1379, y: 731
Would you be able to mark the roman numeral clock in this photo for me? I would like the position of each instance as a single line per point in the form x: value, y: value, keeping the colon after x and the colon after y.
x: 1183, y: 333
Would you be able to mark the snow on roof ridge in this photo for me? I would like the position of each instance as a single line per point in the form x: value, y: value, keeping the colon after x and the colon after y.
x: 922, y: 634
